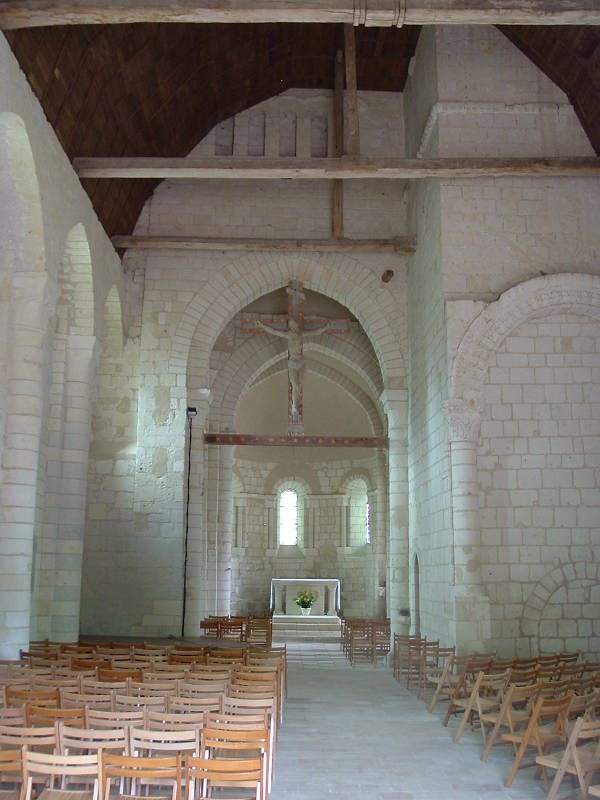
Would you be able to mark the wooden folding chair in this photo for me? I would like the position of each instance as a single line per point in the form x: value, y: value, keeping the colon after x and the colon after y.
x: 163, y: 721
x: 100, y: 702
x: 49, y: 767
x: 15, y: 717
x: 163, y: 771
x: 194, y: 705
x: 15, y: 696
x: 42, y: 717
x: 514, y: 713
x: 241, y: 722
x: 127, y: 703
x: 486, y: 697
x: 89, y: 740
x: 224, y: 773
x: 580, y: 758
x: 540, y: 734
x: 42, y: 739
x: 462, y: 683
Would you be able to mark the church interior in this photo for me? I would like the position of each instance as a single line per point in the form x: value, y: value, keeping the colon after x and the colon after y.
x: 302, y: 298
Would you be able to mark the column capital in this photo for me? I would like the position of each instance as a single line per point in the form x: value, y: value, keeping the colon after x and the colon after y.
x: 464, y: 420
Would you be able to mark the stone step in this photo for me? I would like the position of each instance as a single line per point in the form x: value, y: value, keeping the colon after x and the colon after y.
x: 315, y: 628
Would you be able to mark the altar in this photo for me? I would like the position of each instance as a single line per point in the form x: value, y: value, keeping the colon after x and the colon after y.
x: 284, y: 590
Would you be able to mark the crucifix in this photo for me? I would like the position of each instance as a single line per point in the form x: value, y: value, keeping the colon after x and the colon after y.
x: 294, y: 327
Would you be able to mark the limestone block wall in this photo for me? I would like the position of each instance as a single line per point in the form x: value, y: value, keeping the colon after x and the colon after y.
x: 538, y: 465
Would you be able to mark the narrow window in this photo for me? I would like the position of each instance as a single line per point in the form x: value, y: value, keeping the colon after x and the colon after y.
x: 288, y: 518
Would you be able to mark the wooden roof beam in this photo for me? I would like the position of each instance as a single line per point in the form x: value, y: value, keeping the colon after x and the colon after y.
x: 376, y: 13
x: 402, y: 245
x: 331, y: 168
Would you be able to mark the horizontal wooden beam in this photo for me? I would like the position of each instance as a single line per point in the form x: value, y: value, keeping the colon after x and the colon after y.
x: 401, y: 245
x: 253, y: 440
x: 380, y: 13
x: 221, y: 168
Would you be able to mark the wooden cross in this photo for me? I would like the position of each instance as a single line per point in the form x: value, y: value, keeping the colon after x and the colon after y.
x: 294, y: 327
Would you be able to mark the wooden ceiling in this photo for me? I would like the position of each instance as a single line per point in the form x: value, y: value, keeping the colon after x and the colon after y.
x: 158, y: 89
x: 151, y: 89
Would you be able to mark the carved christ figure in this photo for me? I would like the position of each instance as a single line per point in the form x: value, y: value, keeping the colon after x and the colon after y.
x: 294, y: 336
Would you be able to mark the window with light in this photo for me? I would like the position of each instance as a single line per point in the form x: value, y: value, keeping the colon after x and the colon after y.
x: 288, y: 517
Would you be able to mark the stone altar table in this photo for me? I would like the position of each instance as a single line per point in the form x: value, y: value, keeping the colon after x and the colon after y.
x: 283, y: 591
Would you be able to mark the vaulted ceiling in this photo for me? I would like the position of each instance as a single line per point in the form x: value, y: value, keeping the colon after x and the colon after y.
x: 157, y: 90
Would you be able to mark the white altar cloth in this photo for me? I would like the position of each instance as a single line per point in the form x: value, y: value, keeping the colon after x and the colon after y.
x: 283, y: 591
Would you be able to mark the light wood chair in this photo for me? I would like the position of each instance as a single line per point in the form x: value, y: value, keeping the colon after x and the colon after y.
x: 194, y: 705
x: 99, y: 702
x: 42, y: 717
x: 225, y: 773
x: 163, y: 688
x: 241, y: 722
x: 157, y: 742
x: 163, y: 771
x: 228, y: 742
x: 50, y: 767
x: 11, y: 771
x: 546, y: 729
x: 462, y: 682
x: 16, y: 696
x: 90, y: 740
x: 43, y: 739
x: 126, y: 703
x: 14, y: 717
x: 580, y: 758
x: 116, y: 719
x: 160, y: 720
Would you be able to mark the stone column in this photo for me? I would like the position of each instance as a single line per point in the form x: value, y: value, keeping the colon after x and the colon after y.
x: 20, y: 458
x: 277, y: 598
x: 220, y: 507
x: 196, y: 594
x: 395, y: 403
x: 82, y: 356
x: 472, y: 606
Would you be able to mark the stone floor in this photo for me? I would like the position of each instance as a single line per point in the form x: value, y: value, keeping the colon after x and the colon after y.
x: 356, y: 733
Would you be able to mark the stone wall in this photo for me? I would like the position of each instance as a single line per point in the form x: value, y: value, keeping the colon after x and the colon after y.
x: 538, y: 466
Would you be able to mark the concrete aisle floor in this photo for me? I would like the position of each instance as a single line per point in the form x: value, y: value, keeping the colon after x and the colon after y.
x: 356, y: 733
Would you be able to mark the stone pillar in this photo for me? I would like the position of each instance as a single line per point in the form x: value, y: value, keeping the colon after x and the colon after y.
x: 20, y: 459
x: 471, y: 603
x: 81, y: 359
x: 278, y: 598
x: 196, y: 594
x: 220, y: 507
x: 395, y: 403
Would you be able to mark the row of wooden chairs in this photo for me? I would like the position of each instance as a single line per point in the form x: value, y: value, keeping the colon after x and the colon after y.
x: 255, y: 630
x: 530, y: 709
x: 104, y: 770
x: 364, y: 639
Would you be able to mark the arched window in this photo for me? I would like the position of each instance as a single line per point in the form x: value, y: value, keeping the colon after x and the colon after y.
x: 288, y: 517
x: 359, y: 513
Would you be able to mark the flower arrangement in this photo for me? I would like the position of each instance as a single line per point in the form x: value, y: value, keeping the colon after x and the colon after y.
x: 305, y: 599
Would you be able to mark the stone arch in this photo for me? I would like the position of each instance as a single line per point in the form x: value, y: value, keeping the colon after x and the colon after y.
x: 557, y: 578
x: 306, y: 479
x: 343, y: 279
x: 574, y: 292
x: 23, y: 319
x: 353, y: 475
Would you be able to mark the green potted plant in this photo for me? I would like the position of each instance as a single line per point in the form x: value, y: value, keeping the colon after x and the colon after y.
x: 305, y: 600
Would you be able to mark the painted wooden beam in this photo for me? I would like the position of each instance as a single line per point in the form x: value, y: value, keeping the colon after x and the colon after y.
x: 351, y: 107
x: 222, y: 168
x: 380, y: 13
x: 400, y: 245
x: 254, y: 440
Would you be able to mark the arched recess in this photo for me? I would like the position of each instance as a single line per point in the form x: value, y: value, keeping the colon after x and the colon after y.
x: 74, y: 356
x: 560, y: 615
x: 23, y: 319
x: 343, y: 279
x: 356, y: 394
x: 565, y: 292
x: 517, y: 430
